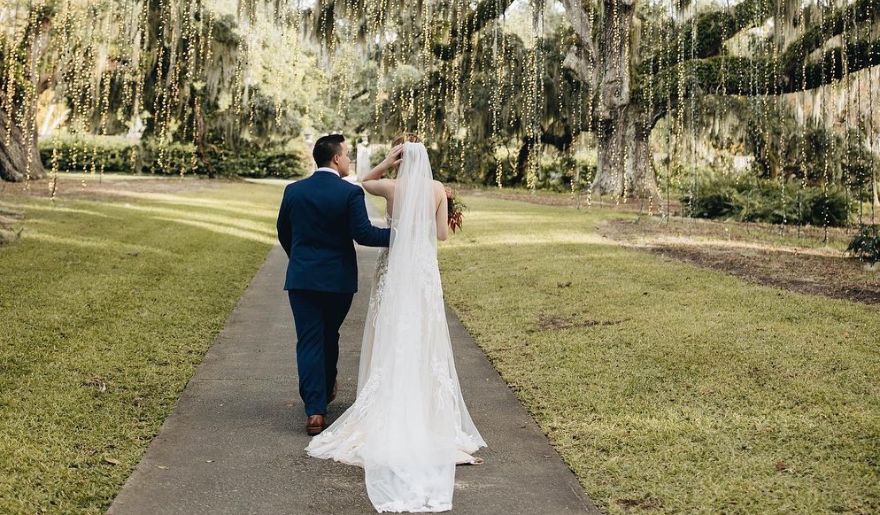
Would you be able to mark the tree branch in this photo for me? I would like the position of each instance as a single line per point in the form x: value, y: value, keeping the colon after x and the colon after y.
x: 615, y: 85
x: 713, y: 28
x: 814, y: 37
x: 580, y: 22
x: 486, y: 12
x: 859, y: 55
x: 582, y: 58
x: 704, y: 75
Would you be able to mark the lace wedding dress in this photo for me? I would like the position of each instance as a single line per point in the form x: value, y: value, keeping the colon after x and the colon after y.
x: 409, y: 425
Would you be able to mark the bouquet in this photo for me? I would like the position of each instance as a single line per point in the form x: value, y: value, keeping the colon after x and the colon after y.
x: 454, y: 210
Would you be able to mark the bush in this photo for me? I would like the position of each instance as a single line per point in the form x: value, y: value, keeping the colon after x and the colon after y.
x: 558, y: 174
x: 818, y: 205
x: 121, y: 156
x: 717, y: 201
x: 762, y: 200
x: 88, y: 154
x: 244, y: 163
x: 866, y: 243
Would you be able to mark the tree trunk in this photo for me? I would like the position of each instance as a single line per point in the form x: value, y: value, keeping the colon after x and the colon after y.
x: 19, y: 157
x: 14, y: 156
x: 624, y: 165
x: 522, y: 160
x: 199, y: 136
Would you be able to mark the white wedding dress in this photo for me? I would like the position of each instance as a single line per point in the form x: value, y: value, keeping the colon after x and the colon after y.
x: 409, y: 425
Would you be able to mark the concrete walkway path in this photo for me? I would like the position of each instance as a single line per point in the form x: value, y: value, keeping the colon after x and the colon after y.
x: 234, y: 443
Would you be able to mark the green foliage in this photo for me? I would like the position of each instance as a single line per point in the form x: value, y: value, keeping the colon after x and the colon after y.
x: 80, y: 154
x: 560, y: 114
x: 784, y: 148
x: 243, y: 163
x: 558, y: 174
x: 463, y: 162
x: 762, y: 200
x: 269, y: 163
x: 866, y: 243
x: 118, y: 156
x: 718, y: 200
x: 456, y: 161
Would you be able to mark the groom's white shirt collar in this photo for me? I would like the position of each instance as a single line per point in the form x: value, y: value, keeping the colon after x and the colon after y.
x: 327, y: 169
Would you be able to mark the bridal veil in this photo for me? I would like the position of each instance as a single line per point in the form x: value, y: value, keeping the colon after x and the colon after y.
x: 409, y: 425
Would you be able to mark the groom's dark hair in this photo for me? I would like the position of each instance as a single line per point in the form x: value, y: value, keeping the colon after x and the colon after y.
x: 326, y: 147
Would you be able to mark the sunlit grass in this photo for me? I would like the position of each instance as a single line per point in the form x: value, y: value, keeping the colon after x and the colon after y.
x: 98, y: 244
x: 771, y: 234
x: 106, y: 308
x: 250, y: 234
x: 667, y: 387
x: 228, y: 205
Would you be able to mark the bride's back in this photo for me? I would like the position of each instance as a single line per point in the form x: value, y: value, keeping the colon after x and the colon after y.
x: 412, y: 203
x: 415, y: 172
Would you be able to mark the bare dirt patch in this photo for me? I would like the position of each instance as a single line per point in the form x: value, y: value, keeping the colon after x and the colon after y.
x: 794, y: 259
x: 648, y: 503
x: 551, y: 322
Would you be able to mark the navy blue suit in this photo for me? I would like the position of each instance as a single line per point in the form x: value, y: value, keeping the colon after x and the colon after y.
x: 318, y: 219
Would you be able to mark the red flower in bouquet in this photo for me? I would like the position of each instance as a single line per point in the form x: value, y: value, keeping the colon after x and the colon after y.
x: 455, y: 208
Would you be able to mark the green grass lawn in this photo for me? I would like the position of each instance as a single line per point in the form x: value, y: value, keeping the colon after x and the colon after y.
x: 106, y: 308
x: 664, y: 386
x: 668, y: 387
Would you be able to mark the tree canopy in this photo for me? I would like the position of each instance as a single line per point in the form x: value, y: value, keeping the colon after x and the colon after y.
x: 476, y: 78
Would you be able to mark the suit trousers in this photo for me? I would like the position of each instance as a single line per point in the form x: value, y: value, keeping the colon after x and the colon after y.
x: 317, y: 316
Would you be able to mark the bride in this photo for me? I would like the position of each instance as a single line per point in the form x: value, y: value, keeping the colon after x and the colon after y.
x: 409, y: 426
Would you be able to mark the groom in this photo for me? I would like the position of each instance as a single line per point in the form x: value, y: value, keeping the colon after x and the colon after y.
x: 318, y: 219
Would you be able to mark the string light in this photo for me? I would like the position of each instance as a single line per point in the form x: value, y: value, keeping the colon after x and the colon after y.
x: 803, y: 146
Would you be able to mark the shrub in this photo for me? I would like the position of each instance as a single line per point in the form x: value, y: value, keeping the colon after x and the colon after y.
x: 762, y: 200
x: 558, y: 174
x: 819, y: 204
x: 89, y: 154
x: 866, y: 243
x: 718, y: 201
x: 121, y: 156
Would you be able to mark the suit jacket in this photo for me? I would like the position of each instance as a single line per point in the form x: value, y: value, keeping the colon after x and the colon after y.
x: 318, y: 219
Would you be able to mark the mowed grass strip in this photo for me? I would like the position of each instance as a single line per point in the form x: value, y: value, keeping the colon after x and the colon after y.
x: 664, y: 386
x: 106, y: 308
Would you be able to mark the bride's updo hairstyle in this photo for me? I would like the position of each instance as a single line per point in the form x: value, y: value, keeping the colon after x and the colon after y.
x: 403, y: 138
x: 406, y: 137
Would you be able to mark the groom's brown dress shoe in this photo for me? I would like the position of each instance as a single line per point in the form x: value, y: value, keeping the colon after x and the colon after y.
x: 315, y: 424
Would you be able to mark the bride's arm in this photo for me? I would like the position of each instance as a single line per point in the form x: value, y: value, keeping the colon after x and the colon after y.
x: 379, y: 187
x: 373, y: 181
x: 442, y: 212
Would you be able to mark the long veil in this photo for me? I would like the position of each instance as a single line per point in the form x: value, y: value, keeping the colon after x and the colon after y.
x: 409, y: 425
